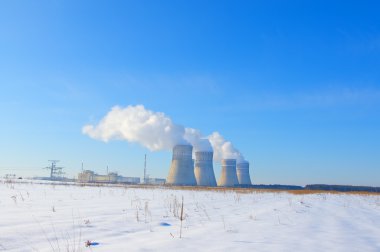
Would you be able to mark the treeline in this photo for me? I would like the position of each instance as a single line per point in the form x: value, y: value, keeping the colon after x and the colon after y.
x: 278, y: 187
x: 320, y: 187
x: 342, y: 188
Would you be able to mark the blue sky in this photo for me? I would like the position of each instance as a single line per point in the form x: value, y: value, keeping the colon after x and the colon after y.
x: 294, y: 85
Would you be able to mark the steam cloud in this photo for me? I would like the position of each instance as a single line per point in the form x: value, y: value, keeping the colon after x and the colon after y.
x: 224, y: 149
x: 153, y: 130
x: 156, y: 131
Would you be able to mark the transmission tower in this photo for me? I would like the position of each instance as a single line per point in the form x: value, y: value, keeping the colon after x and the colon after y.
x: 55, y: 171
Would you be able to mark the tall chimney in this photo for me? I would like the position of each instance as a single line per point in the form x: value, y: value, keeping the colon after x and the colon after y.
x: 228, y: 176
x: 182, y: 166
x: 204, y: 171
x: 242, y: 171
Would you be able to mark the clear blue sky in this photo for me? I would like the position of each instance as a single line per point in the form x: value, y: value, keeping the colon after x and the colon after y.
x: 295, y: 85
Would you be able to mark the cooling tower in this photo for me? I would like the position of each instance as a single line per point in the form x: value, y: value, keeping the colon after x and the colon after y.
x: 242, y: 171
x: 204, y: 170
x: 228, y: 176
x: 182, y: 167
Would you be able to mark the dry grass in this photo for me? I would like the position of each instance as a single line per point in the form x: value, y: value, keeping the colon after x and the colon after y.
x: 332, y: 192
x: 202, y: 188
x: 256, y: 190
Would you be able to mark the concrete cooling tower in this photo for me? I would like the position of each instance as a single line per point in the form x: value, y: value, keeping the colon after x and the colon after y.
x: 182, y: 167
x: 242, y: 171
x: 228, y: 176
x: 204, y: 170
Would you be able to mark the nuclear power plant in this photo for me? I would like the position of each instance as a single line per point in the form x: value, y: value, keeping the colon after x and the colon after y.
x: 242, y: 171
x: 182, y: 167
x: 228, y: 177
x: 204, y: 170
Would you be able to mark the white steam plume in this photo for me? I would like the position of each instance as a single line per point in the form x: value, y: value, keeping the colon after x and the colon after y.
x: 156, y: 131
x: 197, y: 140
x: 224, y: 149
x: 153, y: 130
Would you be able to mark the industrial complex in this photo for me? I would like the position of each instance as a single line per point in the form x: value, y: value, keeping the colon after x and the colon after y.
x: 183, y: 171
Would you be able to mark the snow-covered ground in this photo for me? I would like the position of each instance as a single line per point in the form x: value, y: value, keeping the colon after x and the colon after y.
x: 45, y: 217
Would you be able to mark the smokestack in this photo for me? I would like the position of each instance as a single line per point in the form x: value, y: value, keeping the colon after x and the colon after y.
x: 182, y: 167
x: 204, y: 171
x: 242, y: 171
x: 228, y: 176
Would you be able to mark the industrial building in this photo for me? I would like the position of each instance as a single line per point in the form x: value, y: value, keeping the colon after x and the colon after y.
x: 204, y: 170
x: 182, y: 167
x: 88, y: 176
x: 155, y: 181
x: 242, y: 171
x: 228, y: 177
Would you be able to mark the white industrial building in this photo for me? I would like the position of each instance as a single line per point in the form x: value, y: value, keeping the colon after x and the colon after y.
x: 204, y: 170
x: 228, y: 177
x: 155, y: 181
x: 182, y: 167
x: 242, y: 171
x: 88, y: 176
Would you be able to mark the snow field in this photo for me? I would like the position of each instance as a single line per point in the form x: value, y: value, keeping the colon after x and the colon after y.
x: 49, y: 217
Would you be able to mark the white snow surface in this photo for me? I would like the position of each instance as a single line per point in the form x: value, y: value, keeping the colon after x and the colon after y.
x: 53, y: 217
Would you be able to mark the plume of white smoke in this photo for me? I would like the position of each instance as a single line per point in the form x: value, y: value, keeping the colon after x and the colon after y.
x: 156, y: 131
x: 153, y: 130
x: 224, y: 149
x: 197, y: 140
